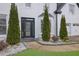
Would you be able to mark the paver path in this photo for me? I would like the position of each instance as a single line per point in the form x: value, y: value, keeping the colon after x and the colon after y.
x: 35, y: 45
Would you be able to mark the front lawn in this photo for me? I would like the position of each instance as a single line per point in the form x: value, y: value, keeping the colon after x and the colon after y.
x: 34, y: 52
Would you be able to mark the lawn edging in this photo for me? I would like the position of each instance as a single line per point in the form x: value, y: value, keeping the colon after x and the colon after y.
x: 55, y: 43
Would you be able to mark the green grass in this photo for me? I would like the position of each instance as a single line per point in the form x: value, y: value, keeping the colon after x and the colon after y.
x: 33, y: 52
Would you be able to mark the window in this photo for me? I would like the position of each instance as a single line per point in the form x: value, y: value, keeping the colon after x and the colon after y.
x: 28, y: 4
x: 71, y: 8
x: 2, y: 24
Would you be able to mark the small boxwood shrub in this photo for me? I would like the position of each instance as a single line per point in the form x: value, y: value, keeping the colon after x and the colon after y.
x: 3, y: 45
x: 55, y: 38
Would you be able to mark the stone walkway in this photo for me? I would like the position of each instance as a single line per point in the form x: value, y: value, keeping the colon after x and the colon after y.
x: 35, y: 45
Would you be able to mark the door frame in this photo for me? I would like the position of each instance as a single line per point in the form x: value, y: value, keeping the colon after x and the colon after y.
x: 24, y: 19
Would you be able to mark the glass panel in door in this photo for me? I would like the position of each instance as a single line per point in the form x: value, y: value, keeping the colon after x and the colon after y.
x: 27, y: 28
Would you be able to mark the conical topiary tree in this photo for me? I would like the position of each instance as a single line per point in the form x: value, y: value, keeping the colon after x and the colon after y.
x: 13, y: 35
x: 63, y: 29
x: 46, y: 25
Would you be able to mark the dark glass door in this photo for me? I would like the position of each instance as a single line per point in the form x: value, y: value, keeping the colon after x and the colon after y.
x: 27, y: 28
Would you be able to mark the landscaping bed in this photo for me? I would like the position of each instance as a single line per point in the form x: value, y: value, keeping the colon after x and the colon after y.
x: 57, y: 48
x: 51, y: 43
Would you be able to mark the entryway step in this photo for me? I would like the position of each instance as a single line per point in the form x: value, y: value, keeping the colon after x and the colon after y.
x: 27, y: 39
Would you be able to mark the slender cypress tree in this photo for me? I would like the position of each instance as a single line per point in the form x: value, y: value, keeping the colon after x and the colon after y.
x: 13, y: 35
x: 46, y: 25
x: 63, y: 29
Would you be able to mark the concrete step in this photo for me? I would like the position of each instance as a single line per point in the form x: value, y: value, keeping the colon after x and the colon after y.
x: 27, y: 39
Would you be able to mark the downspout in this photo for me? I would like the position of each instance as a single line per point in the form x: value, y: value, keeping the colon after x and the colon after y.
x: 58, y: 11
x: 56, y: 24
x: 56, y: 21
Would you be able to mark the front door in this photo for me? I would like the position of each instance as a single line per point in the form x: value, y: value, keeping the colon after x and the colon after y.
x: 27, y: 27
